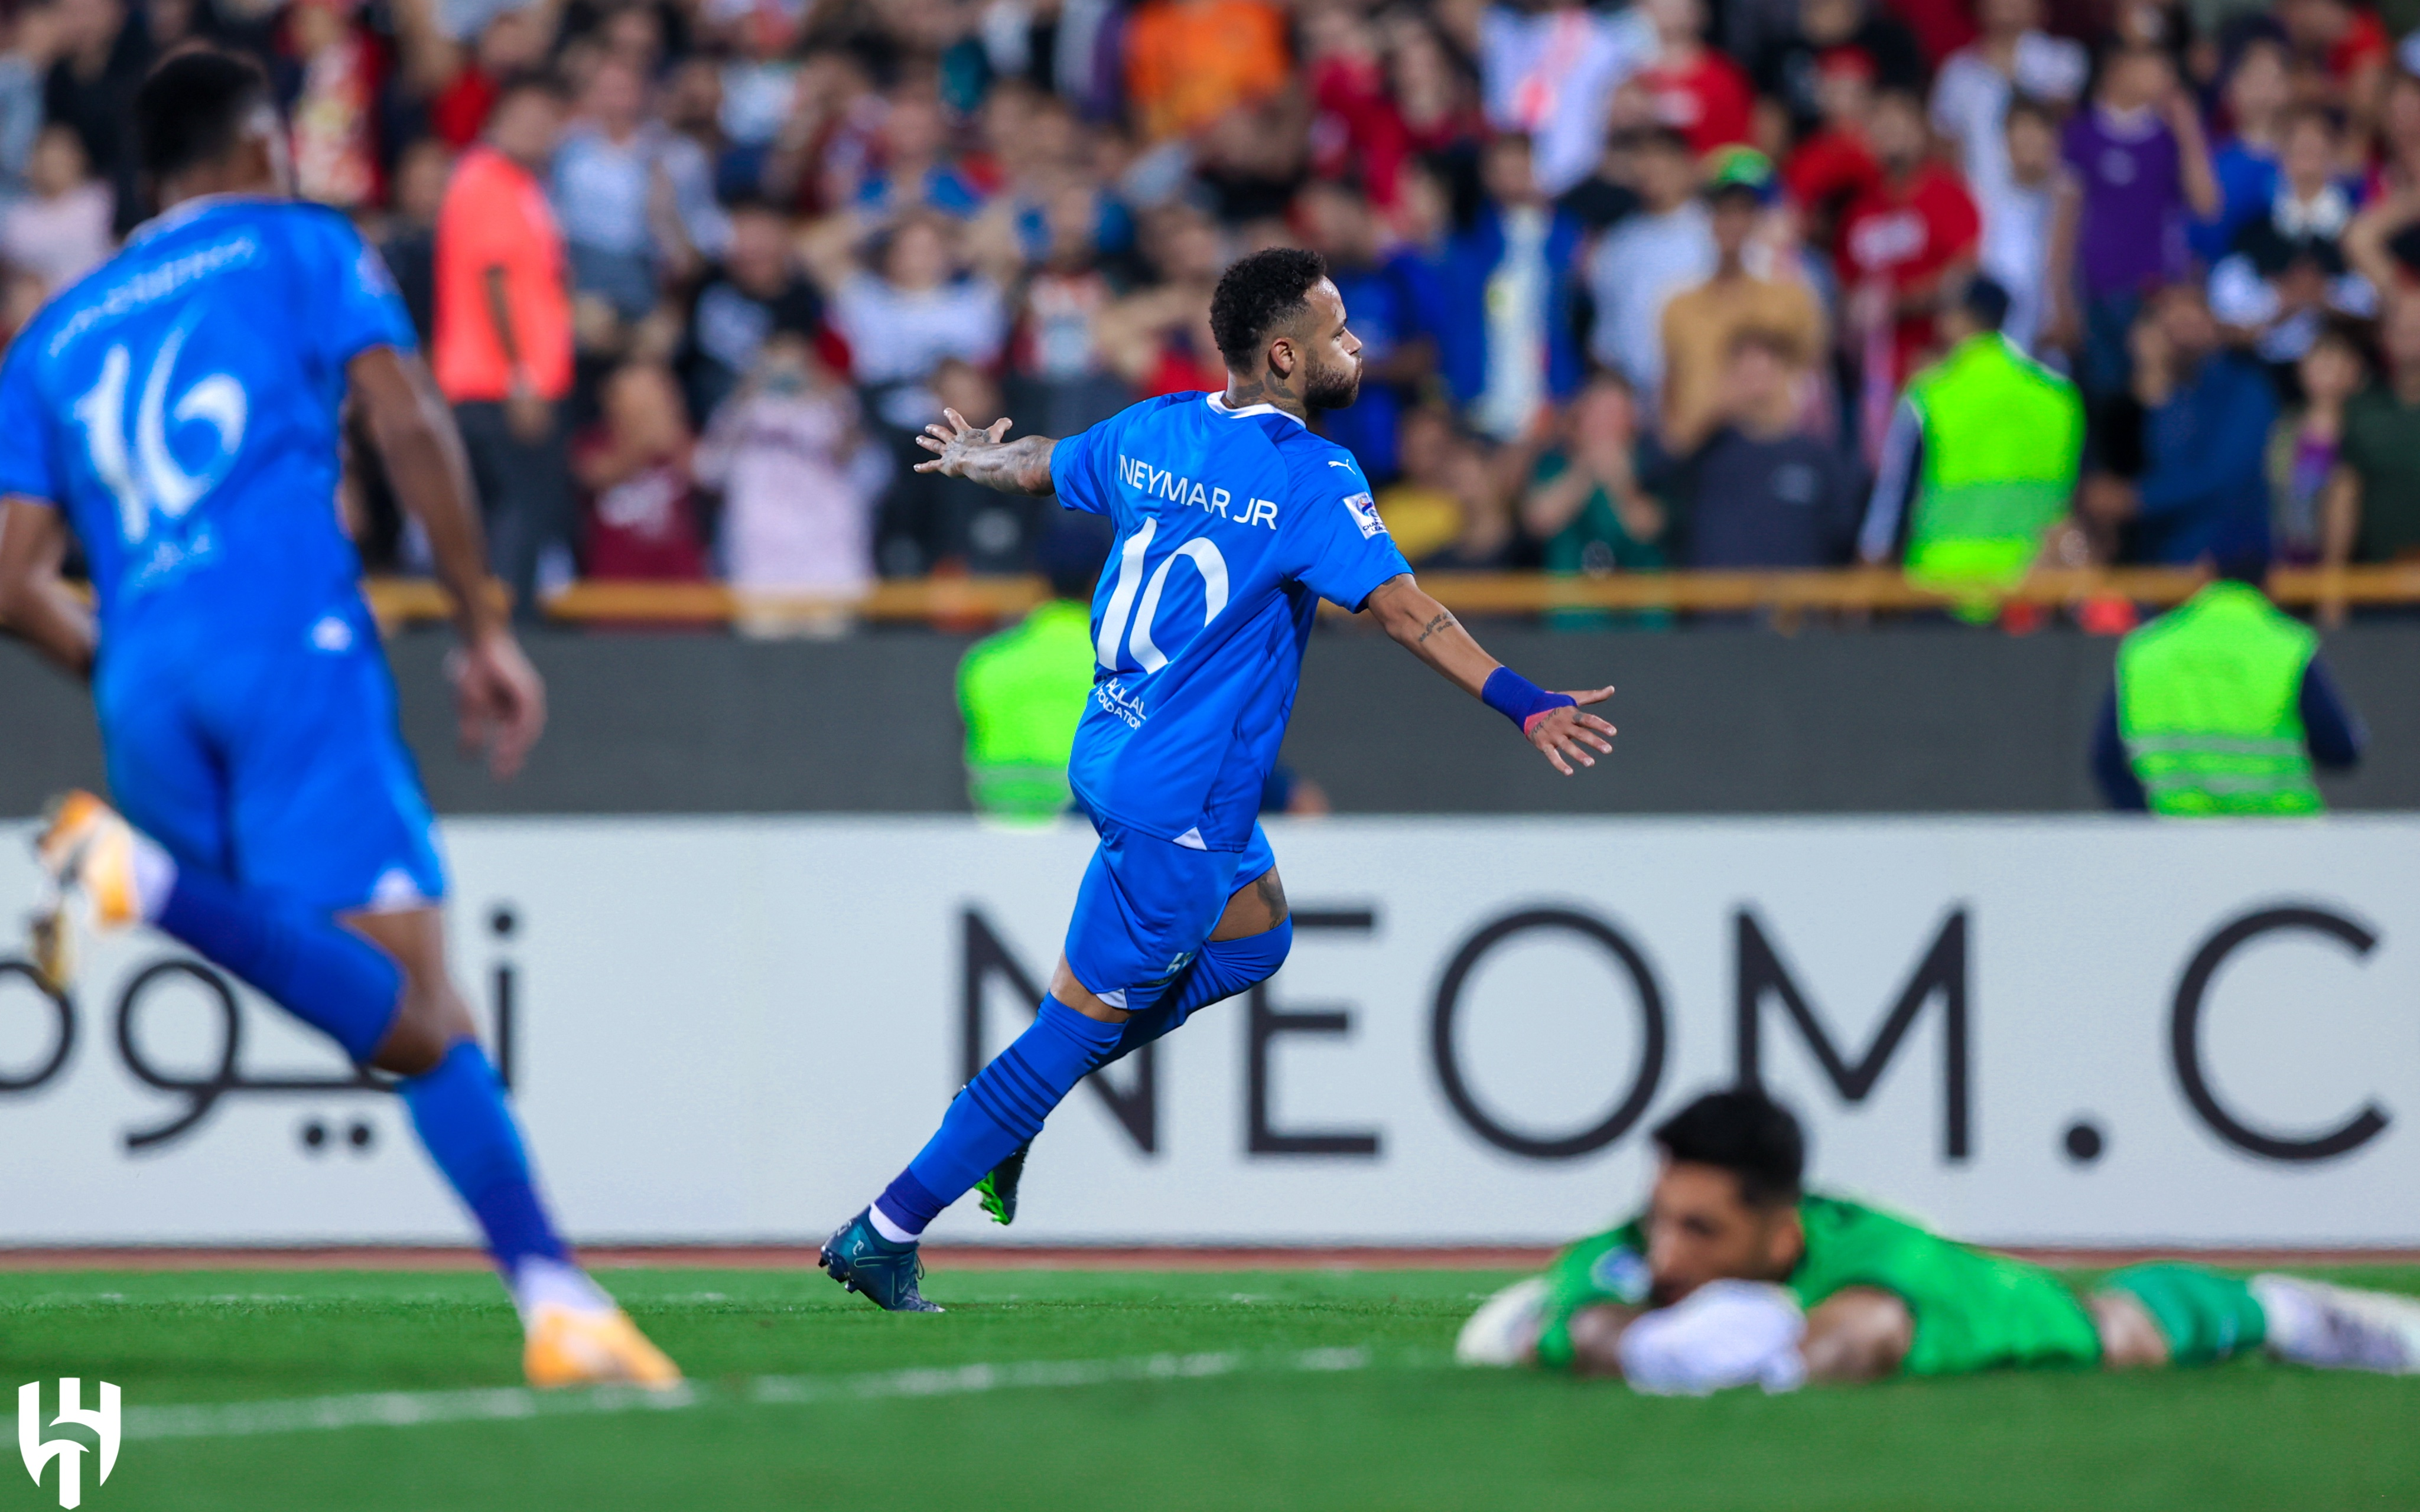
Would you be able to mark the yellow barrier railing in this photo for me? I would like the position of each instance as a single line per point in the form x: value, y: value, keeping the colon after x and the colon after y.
x: 972, y: 601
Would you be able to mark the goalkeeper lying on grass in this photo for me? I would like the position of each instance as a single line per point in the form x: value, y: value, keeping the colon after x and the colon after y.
x: 1734, y: 1277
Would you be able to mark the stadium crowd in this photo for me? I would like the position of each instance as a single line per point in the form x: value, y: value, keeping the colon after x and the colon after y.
x: 1642, y: 287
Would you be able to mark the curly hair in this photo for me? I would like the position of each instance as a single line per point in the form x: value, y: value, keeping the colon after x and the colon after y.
x: 1257, y: 294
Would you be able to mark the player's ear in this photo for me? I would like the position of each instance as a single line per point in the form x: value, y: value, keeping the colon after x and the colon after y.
x: 1283, y: 357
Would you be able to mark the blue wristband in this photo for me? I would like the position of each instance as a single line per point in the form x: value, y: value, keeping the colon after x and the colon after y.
x: 1520, y: 700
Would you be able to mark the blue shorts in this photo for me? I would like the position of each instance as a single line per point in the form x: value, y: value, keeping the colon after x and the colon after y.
x: 1147, y: 904
x: 277, y: 766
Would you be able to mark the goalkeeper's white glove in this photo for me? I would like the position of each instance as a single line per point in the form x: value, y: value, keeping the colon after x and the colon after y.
x: 1723, y: 1333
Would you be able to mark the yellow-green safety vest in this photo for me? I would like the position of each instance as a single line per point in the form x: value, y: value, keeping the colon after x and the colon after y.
x: 2003, y: 438
x: 1023, y: 692
x: 2210, y: 706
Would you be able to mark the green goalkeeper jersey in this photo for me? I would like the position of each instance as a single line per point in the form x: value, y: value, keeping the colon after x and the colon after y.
x: 1973, y: 1310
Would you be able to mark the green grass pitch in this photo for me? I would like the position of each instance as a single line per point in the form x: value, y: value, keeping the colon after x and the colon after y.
x: 1166, y: 1391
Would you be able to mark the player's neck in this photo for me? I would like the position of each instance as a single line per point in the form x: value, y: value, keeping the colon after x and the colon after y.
x: 1269, y: 389
x: 217, y: 181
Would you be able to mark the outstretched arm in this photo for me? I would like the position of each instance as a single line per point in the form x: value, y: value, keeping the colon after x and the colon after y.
x: 980, y: 455
x: 1550, y: 721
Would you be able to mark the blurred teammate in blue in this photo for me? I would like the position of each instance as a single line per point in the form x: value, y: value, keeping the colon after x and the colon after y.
x: 1233, y: 521
x: 179, y: 413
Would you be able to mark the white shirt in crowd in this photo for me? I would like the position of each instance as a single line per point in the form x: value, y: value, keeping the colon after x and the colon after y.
x: 60, y: 239
x: 1517, y: 328
x: 797, y: 516
x: 1970, y: 103
x: 896, y: 337
x: 1633, y: 274
x: 1552, y: 74
x: 2015, y: 254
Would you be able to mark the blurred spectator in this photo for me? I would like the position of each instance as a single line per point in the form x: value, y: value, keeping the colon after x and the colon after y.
x: 1760, y: 493
x: 2286, y: 271
x: 1188, y: 62
x: 1829, y: 34
x: 633, y: 466
x: 1912, y: 236
x: 605, y: 191
x: 1061, y: 379
x: 2343, y: 55
x: 1355, y: 126
x: 102, y: 54
x: 1980, y: 462
x: 2306, y: 445
x: 408, y: 240
x: 900, y: 322
x: 1698, y: 91
x: 915, y: 166
x: 1644, y: 261
x: 1157, y: 339
x: 2014, y: 59
x: 2373, y: 514
x: 2203, y: 492
x: 1421, y: 511
x: 2018, y: 219
x: 951, y: 524
x: 463, y: 85
x: 1701, y: 324
x: 796, y: 516
x: 1832, y: 165
x: 35, y: 37
x: 1549, y: 69
x: 60, y: 230
x: 1584, y: 503
x: 502, y: 344
x: 1390, y: 305
x: 1505, y: 331
x: 2257, y: 92
x: 2138, y: 158
x: 335, y: 108
x: 757, y: 292
x: 1433, y: 92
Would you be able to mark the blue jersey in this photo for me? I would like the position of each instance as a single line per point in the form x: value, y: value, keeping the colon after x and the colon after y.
x: 1232, y: 525
x: 182, y: 406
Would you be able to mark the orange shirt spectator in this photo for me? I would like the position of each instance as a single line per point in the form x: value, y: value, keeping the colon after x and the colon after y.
x: 495, y: 216
x: 1189, y: 61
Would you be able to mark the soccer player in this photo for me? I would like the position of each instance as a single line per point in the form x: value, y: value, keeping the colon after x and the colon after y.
x: 179, y: 411
x: 1233, y: 521
x: 1735, y: 1276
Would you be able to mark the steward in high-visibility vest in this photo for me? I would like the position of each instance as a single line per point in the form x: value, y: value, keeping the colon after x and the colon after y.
x: 1023, y: 691
x: 2221, y: 706
x: 1988, y: 442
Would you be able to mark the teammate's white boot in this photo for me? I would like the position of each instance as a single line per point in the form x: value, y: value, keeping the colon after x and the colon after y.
x: 2339, y: 1328
x: 90, y: 854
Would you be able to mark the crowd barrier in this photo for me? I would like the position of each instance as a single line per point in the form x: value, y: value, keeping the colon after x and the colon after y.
x: 964, y: 601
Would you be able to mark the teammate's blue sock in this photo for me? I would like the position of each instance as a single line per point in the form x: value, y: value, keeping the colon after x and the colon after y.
x: 323, y: 973
x: 459, y: 1110
x: 1218, y: 971
x: 1001, y: 1109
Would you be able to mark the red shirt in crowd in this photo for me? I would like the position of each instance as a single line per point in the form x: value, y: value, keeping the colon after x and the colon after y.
x: 1828, y: 172
x: 1710, y: 102
x: 1907, y: 236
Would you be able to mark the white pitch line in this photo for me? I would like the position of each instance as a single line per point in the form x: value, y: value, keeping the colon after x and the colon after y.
x: 416, y: 1408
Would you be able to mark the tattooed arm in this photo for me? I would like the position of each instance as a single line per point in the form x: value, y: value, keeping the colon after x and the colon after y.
x: 1428, y: 630
x: 980, y: 455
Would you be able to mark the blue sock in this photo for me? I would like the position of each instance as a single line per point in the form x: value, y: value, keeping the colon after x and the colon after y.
x: 314, y: 967
x: 1221, y: 969
x: 460, y: 1113
x: 1001, y: 1109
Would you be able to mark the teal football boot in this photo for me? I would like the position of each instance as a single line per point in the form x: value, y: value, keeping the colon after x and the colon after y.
x: 885, y: 1273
